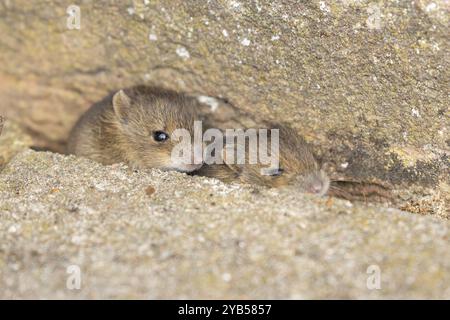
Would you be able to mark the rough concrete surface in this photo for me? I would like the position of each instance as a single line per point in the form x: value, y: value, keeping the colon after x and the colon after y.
x: 154, y: 234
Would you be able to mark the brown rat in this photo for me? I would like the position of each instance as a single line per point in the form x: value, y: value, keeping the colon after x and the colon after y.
x: 134, y: 126
x: 297, y: 166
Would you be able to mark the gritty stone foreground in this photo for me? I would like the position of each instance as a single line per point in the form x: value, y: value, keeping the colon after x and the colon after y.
x: 168, y: 235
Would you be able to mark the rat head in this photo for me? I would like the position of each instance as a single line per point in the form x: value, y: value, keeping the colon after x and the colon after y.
x: 297, y: 166
x: 147, y: 118
x: 316, y: 182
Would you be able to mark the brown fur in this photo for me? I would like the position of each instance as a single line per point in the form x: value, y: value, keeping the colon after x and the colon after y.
x: 299, y: 167
x: 120, y: 127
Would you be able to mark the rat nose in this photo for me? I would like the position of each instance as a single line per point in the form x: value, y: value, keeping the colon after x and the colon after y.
x: 316, y: 187
x: 317, y: 183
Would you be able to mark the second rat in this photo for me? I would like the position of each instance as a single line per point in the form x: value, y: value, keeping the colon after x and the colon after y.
x: 297, y: 166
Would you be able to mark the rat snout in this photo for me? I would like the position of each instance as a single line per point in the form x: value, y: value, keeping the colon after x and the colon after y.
x: 189, y: 167
x: 317, y: 183
x: 185, y: 167
x: 191, y: 161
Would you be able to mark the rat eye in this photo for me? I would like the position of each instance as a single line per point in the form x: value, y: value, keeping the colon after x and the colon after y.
x: 160, y: 136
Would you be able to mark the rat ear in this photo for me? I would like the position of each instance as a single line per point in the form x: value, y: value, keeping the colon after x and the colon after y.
x: 121, y: 104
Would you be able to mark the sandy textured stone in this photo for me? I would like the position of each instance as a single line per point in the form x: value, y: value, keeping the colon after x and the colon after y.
x: 12, y: 140
x: 192, y: 237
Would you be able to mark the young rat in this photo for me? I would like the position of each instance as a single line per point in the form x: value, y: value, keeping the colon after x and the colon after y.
x: 134, y: 126
x: 297, y: 166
